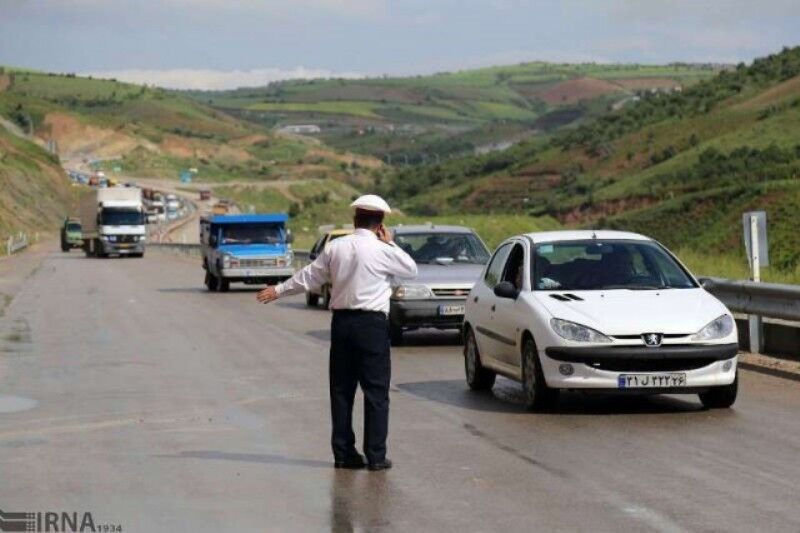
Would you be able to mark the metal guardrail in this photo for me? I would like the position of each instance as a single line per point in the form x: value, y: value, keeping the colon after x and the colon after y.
x: 15, y: 244
x: 770, y: 300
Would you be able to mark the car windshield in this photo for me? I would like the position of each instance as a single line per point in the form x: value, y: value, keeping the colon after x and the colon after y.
x: 433, y: 247
x: 73, y: 227
x: 252, y: 234
x: 121, y: 217
x: 605, y: 265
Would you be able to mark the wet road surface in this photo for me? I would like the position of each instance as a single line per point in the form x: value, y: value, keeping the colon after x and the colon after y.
x: 128, y: 391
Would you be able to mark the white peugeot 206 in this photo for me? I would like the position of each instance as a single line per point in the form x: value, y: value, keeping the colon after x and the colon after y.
x: 597, y: 311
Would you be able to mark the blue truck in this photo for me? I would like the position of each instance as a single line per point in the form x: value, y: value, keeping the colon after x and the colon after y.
x: 252, y: 249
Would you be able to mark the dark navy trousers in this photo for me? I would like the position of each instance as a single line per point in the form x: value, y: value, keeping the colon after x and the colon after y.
x: 359, y: 356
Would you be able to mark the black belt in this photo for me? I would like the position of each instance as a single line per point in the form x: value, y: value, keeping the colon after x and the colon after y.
x: 357, y: 312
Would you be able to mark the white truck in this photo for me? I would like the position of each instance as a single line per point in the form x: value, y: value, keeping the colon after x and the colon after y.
x: 113, y: 222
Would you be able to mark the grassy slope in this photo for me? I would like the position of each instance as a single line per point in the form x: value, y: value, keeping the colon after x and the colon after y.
x: 319, y: 202
x: 681, y: 168
x: 36, y: 193
x: 156, y: 133
x: 453, y: 109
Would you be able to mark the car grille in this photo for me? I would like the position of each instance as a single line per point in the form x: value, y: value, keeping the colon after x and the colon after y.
x: 451, y: 292
x: 256, y: 263
x: 127, y: 238
x: 651, y: 365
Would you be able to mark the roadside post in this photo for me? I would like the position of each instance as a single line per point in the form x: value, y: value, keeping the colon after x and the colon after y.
x: 754, y: 224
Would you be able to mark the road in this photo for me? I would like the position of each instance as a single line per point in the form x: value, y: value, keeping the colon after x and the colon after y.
x: 128, y: 391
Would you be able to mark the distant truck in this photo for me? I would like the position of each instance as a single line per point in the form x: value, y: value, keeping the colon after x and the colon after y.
x: 71, y: 234
x: 252, y: 249
x: 113, y: 222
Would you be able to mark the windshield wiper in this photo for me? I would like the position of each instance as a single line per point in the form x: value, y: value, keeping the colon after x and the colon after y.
x: 635, y: 287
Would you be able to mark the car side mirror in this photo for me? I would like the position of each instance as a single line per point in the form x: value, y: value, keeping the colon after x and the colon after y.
x: 506, y: 289
x: 289, y: 237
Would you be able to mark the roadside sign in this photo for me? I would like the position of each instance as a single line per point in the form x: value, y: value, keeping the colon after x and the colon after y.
x: 755, y: 223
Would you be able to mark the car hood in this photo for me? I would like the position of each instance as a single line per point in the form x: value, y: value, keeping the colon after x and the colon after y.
x: 633, y: 312
x: 452, y: 274
x: 248, y: 250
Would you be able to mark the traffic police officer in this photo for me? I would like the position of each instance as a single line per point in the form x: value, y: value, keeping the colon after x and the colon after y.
x: 359, y: 268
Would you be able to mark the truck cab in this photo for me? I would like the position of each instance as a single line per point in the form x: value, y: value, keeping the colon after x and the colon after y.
x: 113, y: 222
x: 251, y: 249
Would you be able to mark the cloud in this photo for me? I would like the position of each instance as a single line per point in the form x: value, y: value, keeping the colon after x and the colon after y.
x: 209, y: 79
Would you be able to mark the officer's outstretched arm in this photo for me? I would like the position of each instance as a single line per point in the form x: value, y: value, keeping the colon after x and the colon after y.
x: 310, y: 277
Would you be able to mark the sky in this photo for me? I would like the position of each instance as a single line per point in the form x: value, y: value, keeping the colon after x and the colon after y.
x: 216, y: 44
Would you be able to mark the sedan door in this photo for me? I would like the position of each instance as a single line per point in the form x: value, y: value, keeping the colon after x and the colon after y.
x: 507, y: 313
x: 484, y: 302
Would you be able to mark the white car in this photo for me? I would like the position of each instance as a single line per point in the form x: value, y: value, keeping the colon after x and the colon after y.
x: 597, y: 310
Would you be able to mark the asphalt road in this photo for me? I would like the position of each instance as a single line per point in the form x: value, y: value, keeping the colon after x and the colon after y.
x: 128, y: 391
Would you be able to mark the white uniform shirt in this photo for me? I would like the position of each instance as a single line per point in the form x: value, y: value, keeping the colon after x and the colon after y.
x: 359, y: 268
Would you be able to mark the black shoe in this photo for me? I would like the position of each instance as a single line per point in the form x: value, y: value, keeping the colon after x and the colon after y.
x: 386, y: 464
x: 354, y: 462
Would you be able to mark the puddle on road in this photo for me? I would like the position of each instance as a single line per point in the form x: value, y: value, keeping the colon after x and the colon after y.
x: 16, y: 404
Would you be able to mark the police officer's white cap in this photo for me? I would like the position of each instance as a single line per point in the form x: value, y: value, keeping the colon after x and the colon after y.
x: 371, y: 202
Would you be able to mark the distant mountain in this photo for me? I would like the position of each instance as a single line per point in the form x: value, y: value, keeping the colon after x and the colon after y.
x: 680, y: 166
x: 414, y: 120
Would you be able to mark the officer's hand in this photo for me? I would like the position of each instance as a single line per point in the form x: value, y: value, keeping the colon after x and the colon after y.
x: 267, y: 295
x: 384, y: 234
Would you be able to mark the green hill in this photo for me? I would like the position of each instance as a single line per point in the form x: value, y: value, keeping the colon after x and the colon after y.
x: 424, y: 118
x: 680, y: 167
x: 156, y: 133
x: 36, y: 194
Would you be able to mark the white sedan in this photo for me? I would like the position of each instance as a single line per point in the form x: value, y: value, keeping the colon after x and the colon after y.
x: 597, y: 310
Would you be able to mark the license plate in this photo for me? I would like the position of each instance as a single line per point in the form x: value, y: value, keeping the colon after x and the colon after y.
x: 649, y: 381
x: 125, y: 245
x: 450, y: 310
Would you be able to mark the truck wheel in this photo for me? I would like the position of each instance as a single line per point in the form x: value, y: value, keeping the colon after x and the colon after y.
x: 211, y: 282
x: 537, y: 395
x: 312, y: 300
x: 478, y: 377
x: 64, y: 247
x: 720, y: 397
x: 396, y: 334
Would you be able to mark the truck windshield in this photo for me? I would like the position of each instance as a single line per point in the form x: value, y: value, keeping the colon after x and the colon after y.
x: 606, y: 265
x: 121, y: 217
x: 430, y: 247
x: 73, y: 227
x: 252, y: 234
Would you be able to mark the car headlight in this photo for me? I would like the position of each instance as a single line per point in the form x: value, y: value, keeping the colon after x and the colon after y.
x: 109, y: 238
x: 142, y: 238
x: 226, y: 261
x: 719, y: 328
x: 576, y: 332
x: 412, y: 292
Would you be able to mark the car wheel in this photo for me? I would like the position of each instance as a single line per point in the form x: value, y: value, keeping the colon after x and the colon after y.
x: 326, y: 297
x: 478, y: 377
x: 721, y: 397
x: 312, y: 300
x: 211, y: 282
x: 396, y: 334
x: 536, y: 392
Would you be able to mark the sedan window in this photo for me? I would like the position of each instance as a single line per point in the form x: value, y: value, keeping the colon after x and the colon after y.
x: 433, y: 247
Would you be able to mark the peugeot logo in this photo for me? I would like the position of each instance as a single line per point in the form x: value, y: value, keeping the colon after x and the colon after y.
x: 652, y: 340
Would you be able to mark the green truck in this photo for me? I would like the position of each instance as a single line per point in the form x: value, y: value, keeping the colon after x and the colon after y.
x: 71, y: 234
